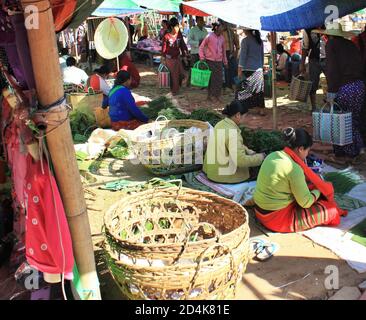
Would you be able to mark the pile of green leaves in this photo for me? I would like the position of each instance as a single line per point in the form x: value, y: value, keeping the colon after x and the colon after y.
x: 263, y: 140
x: 119, y: 150
x: 343, y: 181
x: 81, y: 124
x: 206, y: 115
x: 155, y: 106
x: 173, y: 114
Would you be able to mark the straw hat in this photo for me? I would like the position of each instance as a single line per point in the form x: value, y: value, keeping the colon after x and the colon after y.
x: 111, y: 38
x: 335, y: 29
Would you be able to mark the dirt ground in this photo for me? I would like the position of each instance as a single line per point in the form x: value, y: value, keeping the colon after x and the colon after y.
x: 298, y: 257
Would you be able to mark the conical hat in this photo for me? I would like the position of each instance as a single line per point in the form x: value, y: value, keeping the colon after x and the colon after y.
x: 111, y: 38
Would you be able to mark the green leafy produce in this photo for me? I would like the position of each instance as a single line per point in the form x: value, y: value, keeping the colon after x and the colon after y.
x: 80, y: 124
x: 263, y: 140
x: 149, y: 225
x: 155, y: 106
x: 173, y: 114
x: 343, y: 181
x: 206, y: 115
x: 123, y: 234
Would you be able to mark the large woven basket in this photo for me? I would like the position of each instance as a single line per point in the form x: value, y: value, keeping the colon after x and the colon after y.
x: 153, y: 154
x: 300, y: 89
x: 189, y: 245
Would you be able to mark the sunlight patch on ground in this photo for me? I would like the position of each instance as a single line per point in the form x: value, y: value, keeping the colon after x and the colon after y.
x: 147, y: 73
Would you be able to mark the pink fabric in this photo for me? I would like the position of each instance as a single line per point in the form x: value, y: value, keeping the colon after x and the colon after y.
x: 213, y: 48
x: 48, y: 240
x: 201, y: 177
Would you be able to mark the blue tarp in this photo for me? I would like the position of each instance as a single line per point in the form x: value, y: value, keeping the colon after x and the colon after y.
x: 277, y: 15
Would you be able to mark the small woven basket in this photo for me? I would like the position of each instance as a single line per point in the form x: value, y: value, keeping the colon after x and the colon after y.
x: 300, y: 89
x: 177, y: 243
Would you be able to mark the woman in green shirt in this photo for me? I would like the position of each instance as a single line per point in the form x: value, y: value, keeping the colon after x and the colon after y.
x: 289, y: 196
x: 227, y: 159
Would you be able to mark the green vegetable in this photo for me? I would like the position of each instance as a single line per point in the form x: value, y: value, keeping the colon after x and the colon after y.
x: 155, y: 106
x: 80, y: 124
x: 263, y: 140
x: 206, y: 115
x: 164, y: 223
x: 123, y: 234
x: 343, y: 181
x: 172, y: 114
x: 149, y: 225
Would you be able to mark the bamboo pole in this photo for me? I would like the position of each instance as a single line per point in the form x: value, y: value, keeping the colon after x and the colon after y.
x: 274, y: 91
x: 47, y: 73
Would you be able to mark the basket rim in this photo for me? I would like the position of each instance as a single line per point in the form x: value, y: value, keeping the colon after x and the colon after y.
x: 166, y: 245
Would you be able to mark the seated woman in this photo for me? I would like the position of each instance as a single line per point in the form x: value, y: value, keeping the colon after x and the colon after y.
x: 227, y: 159
x: 282, y: 63
x: 126, y: 64
x: 122, y: 107
x: 289, y: 196
x: 98, y: 83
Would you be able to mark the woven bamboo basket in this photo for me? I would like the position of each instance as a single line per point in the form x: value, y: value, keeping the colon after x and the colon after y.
x: 168, y: 154
x: 176, y: 243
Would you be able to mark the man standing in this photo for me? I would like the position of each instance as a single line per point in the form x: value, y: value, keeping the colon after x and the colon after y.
x: 232, y: 49
x: 196, y: 35
x: 313, y: 46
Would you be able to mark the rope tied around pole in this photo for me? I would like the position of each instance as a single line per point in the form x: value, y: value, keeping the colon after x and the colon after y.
x: 51, y: 115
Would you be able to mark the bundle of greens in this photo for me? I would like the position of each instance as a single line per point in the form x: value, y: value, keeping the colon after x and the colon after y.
x: 262, y: 140
x: 173, y: 114
x: 81, y: 124
x: 155, y: 106
x: 210, y: 116
x: 119, y: 150
x: 343, y: 181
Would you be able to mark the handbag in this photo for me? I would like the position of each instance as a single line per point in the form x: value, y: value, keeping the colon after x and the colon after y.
x: 163, y: 76
x: 201, y: 77
x: 332, y: 127
x: 300, y: 89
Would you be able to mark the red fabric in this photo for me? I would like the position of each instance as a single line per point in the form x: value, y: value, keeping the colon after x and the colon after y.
x: 288, y: 219
x: 127, y: 65
x: 194, y: 12
x: 127, y: 125
x: 48, y: 240
x: 174, y: 45
x: 326, y: 188
x: 176, y: 74
x: 94, y: 82
x: 63, y: 12
x: 295, y: 46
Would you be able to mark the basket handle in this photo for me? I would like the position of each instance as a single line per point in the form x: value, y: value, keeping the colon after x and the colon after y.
x: 194, y: 229
x: 198, y: 63
x: 162, y: 67
x: 332, y: 107
x: 200, y: 261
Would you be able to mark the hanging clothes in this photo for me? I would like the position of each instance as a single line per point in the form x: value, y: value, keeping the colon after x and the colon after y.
x: 48, y: 240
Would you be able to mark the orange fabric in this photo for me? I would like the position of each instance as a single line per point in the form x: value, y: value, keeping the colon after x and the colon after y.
x: 293, y: 218
x: 94, y: 82
x: 63, y: 12
x: 295, y: 46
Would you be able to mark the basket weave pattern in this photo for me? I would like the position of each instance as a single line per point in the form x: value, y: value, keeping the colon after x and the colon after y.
x: 151, y: 152
x: 177, y: 243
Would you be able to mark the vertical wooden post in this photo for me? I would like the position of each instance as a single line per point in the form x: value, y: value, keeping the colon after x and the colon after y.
x: 49, y: 85
x: 274, y: 91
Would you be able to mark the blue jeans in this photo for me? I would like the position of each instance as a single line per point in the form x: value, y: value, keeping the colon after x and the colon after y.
x: 232, y: 71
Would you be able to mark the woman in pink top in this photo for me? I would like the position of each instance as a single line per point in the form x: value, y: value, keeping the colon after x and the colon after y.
x: 213, y: 50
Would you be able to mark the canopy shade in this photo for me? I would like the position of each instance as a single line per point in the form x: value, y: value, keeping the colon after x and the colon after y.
x: 284, y: 15
x: 117, y: 8
x: 160, y: 5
